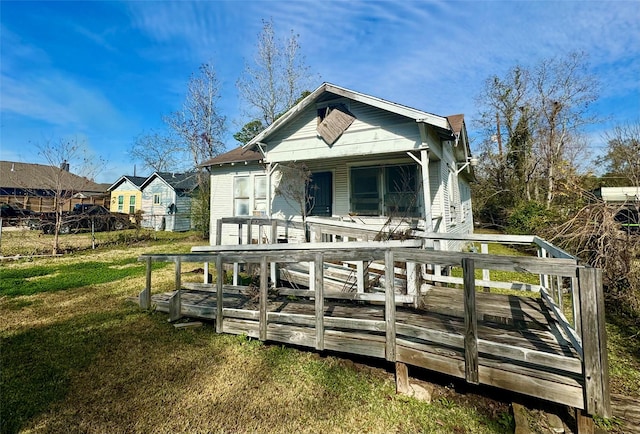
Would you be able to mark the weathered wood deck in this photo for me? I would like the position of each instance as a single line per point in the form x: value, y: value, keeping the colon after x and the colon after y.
x: 520, y: 345
x: 412, y: 314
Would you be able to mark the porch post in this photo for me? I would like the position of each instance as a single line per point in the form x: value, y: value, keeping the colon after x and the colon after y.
x: 426, y: 189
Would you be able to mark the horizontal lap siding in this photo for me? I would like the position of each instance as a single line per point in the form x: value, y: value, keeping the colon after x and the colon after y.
x: 373, y: 132
x: 222, y: 198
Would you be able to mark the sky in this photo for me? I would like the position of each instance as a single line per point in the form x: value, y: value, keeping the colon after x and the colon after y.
x: 104, y: 73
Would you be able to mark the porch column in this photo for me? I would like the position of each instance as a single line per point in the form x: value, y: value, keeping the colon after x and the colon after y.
x: 426, y: 189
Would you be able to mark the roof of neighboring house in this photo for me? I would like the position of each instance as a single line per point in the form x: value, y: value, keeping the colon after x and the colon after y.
x: 618, y: 194
x: 29, y: 176
x: 178, y: 181
x: 328, y: 91
x: 237, y: 155
x: 135, y: 180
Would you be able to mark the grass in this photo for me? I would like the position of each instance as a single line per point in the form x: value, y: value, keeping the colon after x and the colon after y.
x: 78, y: 356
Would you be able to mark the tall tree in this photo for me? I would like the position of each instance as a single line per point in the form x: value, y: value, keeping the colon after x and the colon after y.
x: 537, y: 114
x: 622, y: 159
x: 158, y: 152
x: 201, y: 127
x: 278, y: 75
x: 200, y: 124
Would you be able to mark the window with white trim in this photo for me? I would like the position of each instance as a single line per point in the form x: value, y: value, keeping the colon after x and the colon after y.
x: 260, y: 195
x: 120, y: 203
x: 385, y: 190
x: 156, y: 199
x: 241, y: 195
x: 132, y: 204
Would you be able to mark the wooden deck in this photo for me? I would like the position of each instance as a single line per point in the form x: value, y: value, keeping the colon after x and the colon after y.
x: 412, y: 314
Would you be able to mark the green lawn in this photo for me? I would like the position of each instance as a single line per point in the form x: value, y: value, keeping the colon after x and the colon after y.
x: 78, y: 356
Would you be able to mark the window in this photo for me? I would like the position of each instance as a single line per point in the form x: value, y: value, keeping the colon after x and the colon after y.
x: 156, y: 199
x: 132, y: 204
x: 120, y: 203
x: 454, y: 198
x: 241, y: 195
x: 387, y: 190
x: 260, y: 195
x: 365, y: 191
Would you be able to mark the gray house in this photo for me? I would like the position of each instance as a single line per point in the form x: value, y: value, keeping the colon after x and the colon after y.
x: 167, y: 201
x: 370, y: 160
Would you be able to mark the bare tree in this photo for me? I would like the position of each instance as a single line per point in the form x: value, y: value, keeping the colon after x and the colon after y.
x: 533, y: 119
x: 59, y: 182
x: 158, y: 152
x: 201, y: 127
x: 623, y: 153
x: 277, y: 76
x: 199, y: 124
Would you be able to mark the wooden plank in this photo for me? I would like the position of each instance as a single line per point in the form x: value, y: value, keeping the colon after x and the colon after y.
x: 263, y: 298
x: 584, y: 422
x: 594, y: 342
x: 516, y: 286
x: 219, y: 295
x: 553, y: 250
x: 355, y: 245
x: 390, y: 309
x: 470, y: 322
x: 338, y: 295
x: 319, y: 301
x: 229, y: 312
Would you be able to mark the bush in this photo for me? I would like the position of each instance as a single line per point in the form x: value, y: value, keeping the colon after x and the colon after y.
x: 530, y: 218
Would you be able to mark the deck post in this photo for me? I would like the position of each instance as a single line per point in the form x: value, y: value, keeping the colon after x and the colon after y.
x: 413, y: 284
x: 263, y: 298
x: 389, y: 307
x: 361, y: 276
x: 274, y: 240
x: 145, y: 296
x: 486, y: 275
x: 175, y: 305
x: 584, y: 422
x: 594, y: 342
x: 544, y: 280
x: 470, y: 322
x: 402, y: 379
x: 219, y: 294
x: 319, y: 300
x: 218, y: 232
x: 575, y: 301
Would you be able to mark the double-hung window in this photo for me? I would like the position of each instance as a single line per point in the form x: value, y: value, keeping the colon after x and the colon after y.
x: 132, y: 204
x: 120, y: 203
x: 241, y: 195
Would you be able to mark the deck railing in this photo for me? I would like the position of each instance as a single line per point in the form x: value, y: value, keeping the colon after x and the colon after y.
x: 398, y: 343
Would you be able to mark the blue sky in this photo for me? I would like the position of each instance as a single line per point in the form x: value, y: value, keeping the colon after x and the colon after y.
x: 105, y: 72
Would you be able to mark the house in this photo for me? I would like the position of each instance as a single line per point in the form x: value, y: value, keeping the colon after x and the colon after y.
x: 621, y: 195
x: 35, y: 186
x: 126, y: 195
x: 353, y: 157
x: 167, y: 201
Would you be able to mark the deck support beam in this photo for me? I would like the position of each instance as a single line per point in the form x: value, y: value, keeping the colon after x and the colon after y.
x: 144, y: 298
x: 470, y: 322
x: 594, y: 342
x: 219, y: 295
x: 264, y: 293
x: 403, y: 387
x: 175, y: 306
x: 389, y: 307
x: 319, y: 301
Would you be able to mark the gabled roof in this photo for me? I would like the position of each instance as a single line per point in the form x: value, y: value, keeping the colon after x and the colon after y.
x: 328, y: 91
x: 135, y: 180
x: 29, y: 176
x: 178, y: 181
x: 237, y: 155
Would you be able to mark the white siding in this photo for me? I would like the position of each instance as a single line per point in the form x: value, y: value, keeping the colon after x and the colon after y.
x: 373, y: 132
x: 125, y: 185
x: 222, y: 204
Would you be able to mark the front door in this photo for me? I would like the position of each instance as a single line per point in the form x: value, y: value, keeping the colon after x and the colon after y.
x: 320, y: 194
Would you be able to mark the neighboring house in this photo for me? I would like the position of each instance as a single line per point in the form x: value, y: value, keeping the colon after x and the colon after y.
x: 620, y: 195
x: 35, y: 186
x: 167, y: 200
x: 126, y: 196
x: 370, y: 160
